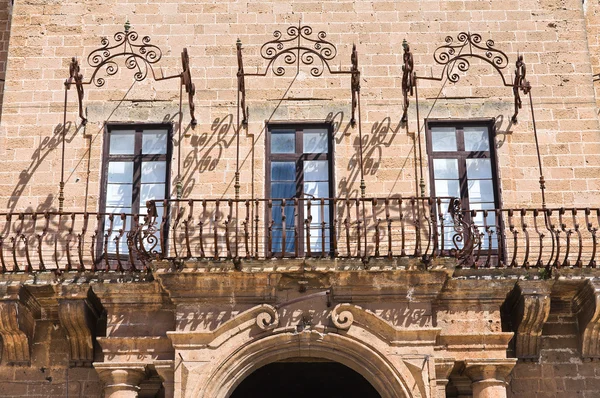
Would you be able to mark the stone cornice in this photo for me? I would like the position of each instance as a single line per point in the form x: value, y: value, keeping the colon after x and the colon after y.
x: 261, y: 287
x: 467, y: 345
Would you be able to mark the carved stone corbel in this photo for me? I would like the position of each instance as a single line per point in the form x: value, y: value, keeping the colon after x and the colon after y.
x: 586, y: 304
x: 528, y: 306
x: 78, y: 314
x: 18, y: 311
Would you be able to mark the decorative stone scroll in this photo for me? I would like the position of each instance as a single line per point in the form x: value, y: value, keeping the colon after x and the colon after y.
x: 529, y: 306
x: 78, y: 315
x: 586, y: 304
x: 345, y: 315
x: 17, y: 321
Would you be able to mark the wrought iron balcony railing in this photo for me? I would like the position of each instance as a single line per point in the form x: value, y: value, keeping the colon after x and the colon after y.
x: 344, y: 228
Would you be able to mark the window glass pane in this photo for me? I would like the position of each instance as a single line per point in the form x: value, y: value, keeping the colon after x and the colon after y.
x: 118, y: 195
x: 445, y: 168
x: 283, y: 142
x: 482, y: 205
x: 118, y: 210
x: 316, y: 189
x: 476, y: 139
x: 447, y: 188
x: 315, y: 211
x: 154, y: 141
x: 113, y: 237
x: 120, y: 172
x: 479, y: 168
x: 289, y: 214
x: 154, y: 171
x: 316, y: 170
x: 122, y: 142
x: 481, y: 191
x: 315, y: 141
x: 283, y: 190
x: 443, y: 139
x: 151, y: 191
x: 283, y: 171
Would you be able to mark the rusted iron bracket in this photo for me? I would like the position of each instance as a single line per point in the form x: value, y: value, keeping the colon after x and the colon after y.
x: 458, y: 54
x: 296, y: 49
x: 139, y: 57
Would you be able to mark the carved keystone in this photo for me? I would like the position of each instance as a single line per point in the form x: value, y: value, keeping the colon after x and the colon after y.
x: 78, y: 313
x: 528, y: 306
x: 18, y: 310
x: 586, y: 304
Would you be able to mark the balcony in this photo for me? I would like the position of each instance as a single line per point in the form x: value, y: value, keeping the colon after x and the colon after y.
x: 207, y: 230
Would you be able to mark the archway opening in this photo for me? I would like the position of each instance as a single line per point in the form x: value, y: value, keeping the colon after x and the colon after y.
x: 301, y: 379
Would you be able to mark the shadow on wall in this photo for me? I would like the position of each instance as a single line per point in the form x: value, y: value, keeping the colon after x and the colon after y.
x: 207, y: 151
x: 382, y: 136
x: 304, y: 317
x: 47, y: 145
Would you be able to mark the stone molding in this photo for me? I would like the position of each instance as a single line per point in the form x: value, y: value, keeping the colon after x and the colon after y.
x: 344, y: 315
x: 18, y: 311
x: 489, y: 369
x: 385, y: 376
x: 586, y: 304
x: 263, y: 316
x: 120, y: 376
x: 443, y: 368
x: 144, y: 348
x: 78, y: 314
x: 529, y: 307
x: 462, y: 344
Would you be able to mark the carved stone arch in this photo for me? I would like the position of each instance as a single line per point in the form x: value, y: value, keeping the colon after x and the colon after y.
x: 361, y: 358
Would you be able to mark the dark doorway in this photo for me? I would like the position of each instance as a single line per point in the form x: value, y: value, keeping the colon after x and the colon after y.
x: 305, y: 379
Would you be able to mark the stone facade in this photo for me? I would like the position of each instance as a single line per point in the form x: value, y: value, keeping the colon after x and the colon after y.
x: 424, y: 323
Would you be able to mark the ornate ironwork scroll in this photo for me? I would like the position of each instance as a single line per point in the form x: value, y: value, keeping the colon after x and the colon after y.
x: 355, y: 84
x: 457, y: 54
x: 468, y: 45
x: 190, y: 88
x: 241, y: 83
x: 75, y: 77
x: 408, y: 81
x: 140, y: 55
x: 520, y: 84
x: 297, y: 48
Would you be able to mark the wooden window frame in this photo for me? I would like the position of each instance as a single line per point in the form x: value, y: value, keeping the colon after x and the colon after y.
x: 463, y: 155
x: 137, y: 158
x: 299, y: 157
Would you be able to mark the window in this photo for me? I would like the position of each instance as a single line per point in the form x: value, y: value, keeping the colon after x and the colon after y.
x: 462, y: 163
x: 300, y: 165
x: 135, y: 170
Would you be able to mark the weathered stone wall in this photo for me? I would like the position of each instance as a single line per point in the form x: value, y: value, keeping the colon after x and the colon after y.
x: 560, y: 372
x: 550, y: 36
x: 49, y: 374
x: 5, y: 19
